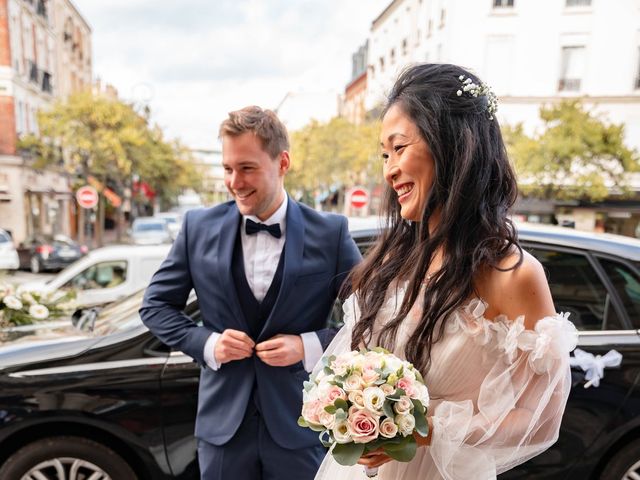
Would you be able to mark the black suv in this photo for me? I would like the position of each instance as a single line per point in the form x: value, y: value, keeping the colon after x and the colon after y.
x: 115, y: 401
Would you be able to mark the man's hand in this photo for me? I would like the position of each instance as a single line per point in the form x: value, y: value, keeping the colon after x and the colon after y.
x: 281, y: 350
x: 233, y: 345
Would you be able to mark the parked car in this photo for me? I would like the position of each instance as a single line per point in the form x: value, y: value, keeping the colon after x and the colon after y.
x: 123, y: 404
x: 42, y: 252
x: 8, y: 254
x: 173, y: 221
x: 150, y: 231
x: 106, y: 274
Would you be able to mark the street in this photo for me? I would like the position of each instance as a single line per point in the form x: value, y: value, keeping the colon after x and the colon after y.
x: 17, y: 277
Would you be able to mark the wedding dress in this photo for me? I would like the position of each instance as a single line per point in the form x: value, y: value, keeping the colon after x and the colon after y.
x: 498, y: 392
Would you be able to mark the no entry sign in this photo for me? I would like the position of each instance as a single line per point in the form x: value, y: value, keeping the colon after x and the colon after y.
x: 359, y: 197
x: 87, y: 197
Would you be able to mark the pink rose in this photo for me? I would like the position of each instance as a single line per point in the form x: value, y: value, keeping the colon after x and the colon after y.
x: 408, y: 386
x: 363, y: 426
x: 311, y: 412
x: 333, y: 393
x: 388, y: 428
x: 369, y: 376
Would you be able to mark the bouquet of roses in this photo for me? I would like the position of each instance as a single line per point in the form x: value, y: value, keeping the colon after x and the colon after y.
x: 19, y: 306
x: 366, y: 400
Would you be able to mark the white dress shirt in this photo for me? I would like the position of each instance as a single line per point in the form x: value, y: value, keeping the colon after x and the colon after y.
x: 261, y: 253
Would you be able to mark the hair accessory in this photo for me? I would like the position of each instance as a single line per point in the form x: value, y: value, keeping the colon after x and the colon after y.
x: 476, y: 90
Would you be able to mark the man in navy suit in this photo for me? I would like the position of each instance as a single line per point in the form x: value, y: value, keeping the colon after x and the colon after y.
x: 266, y: 271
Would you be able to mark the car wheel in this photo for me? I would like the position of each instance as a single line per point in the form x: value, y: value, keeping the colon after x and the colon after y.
x: 34, y: 263
x: 71, y: 458
x: 625, y: 464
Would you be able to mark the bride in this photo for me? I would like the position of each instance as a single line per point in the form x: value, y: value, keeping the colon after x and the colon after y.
x: 448, y: 287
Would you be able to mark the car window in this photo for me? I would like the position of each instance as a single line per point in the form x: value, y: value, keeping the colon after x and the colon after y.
x: 627, y: 284
x: 149, y: 227
x: 4, y: 238
x: 576, y: 288
x: 101, y: 275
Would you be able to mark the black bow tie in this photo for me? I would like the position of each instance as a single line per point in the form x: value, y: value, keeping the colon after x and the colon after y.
x: 252, y: 227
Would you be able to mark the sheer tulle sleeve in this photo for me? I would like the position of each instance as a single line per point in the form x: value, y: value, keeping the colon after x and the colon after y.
x: 518, y: 409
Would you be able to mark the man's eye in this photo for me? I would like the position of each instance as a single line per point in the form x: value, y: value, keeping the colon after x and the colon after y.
x: 385, y: 156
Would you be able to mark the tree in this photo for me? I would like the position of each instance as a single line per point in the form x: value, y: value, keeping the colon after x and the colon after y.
x: 577, y: 156
x: 103, y: 137
x: 328, y: 156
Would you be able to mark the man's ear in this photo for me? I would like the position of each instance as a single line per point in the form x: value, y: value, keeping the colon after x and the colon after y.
x: 285, y: 162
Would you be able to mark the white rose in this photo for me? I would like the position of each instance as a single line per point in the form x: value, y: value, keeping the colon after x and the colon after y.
x: 403, y: 406
x: 341, y: 432
x: 327, y: 419
x: 387, y: 389
x: 26, y: 297
x: 39, y: 312
x: 373, y: 399
x: 388, y: 428
x: 406, y: 424
x: 12, y: 302
x: 356, y: 398
x: 353, y: 382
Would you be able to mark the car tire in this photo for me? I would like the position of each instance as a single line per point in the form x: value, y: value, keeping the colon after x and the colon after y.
x: 44, y: 458
x: 34, y: 265
x: 623, y: 463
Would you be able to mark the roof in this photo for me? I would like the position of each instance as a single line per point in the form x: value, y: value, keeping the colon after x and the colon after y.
x: 604, y: 243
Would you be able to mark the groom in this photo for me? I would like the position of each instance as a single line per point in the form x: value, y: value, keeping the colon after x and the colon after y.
x: 266, y: 271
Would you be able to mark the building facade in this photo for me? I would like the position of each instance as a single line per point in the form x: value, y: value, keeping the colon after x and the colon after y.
x: 45, y: 54
x: 532, y: 54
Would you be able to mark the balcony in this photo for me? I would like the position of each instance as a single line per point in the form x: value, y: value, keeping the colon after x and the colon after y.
x: 569, y: 85
x: 41, y: 8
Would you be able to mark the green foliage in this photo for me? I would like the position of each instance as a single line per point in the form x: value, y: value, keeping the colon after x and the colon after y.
x: 578, y: 155
x: 333, y: 154
x: 347, y: 453
x: 107, y: 138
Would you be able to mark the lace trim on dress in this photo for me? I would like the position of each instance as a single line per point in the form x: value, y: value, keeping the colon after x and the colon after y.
x: 551, y: 338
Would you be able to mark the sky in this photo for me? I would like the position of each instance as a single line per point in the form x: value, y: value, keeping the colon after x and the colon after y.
x: 192, y: 61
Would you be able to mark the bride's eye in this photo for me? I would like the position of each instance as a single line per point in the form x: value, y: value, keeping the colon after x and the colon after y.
x: 397, y: 148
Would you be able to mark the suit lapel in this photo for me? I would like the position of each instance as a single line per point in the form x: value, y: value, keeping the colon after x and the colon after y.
x: 293, y: 251
x: 228, y: 234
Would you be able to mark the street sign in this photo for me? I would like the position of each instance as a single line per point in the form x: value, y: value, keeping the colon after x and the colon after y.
x: 359, y: 197
x: 87, y: 196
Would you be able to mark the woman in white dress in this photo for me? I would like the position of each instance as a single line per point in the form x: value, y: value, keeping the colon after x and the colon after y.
x: 448, y: 287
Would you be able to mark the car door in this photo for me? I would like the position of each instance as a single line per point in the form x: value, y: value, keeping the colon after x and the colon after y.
x: 581, y: 286
x: 179, y: 399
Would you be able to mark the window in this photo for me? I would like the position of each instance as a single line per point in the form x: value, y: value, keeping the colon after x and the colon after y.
x: 578, y: 3
x: 443, y: 14
x: 576, y: 288
x: 627, y: 284
x: 392, y: 56
x: 100, y: 275
x: 404, y: 47
x: 502, y: 3
x: 429, y: 28
x: 572, y: 68
x: 381, y: 64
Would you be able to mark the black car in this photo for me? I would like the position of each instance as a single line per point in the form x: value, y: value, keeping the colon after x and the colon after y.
x: 49, y: 252
x: 119, y: 402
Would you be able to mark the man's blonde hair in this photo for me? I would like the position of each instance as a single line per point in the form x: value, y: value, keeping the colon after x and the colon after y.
x: 264, y: 124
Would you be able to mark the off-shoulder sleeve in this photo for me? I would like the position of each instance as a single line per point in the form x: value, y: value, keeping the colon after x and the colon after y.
x: 520, y: 403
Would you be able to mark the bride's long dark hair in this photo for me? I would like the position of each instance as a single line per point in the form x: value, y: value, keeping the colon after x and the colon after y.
x: 473, y: 189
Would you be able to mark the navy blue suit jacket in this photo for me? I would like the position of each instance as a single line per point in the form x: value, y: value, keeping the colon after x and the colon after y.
x: 319, y: 252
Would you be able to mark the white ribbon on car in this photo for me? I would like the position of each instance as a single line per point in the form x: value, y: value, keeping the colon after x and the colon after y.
x: 594, y: 365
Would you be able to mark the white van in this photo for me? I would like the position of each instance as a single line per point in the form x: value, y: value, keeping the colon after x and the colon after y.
x: 107, y: 274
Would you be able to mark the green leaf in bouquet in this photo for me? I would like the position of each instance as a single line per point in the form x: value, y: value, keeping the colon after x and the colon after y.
x: 380, y: 350
x: 316, y: 428
x: 418, y: 406
x: 403, y: 451
x: 341, y: 415
x: 400, y: 371
x: 330, y: 409
x: 387, y: 408
x: 418, y: 375
x: 422, y: 427
x: 395, y: 396
x: 302, y: 422
x: 347, y: 453
x: 328, y: 371
x: 340, y: 403
x: 308, y: 386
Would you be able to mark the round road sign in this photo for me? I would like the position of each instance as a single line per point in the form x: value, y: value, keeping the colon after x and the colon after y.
x: 87, y: 196
x: 359, y: 197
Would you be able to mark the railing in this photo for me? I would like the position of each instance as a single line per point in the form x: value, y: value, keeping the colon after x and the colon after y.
x: 569, y: 84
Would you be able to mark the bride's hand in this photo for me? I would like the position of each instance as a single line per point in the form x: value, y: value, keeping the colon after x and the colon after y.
x: 374, y: 459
